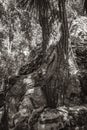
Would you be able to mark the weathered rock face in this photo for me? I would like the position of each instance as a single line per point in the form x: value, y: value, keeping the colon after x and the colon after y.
x: 78, y: 36
x: 74, y: 9
x: 76, y: 5
x: 78, y: 32
x: 18, y: 117
x: 63, y: 119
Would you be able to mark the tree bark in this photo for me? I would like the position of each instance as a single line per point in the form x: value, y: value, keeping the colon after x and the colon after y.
x: 57, y: 70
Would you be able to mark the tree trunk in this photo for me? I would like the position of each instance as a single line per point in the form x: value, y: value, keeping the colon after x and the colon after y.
x: 64, y: 49
x: 57, y: 71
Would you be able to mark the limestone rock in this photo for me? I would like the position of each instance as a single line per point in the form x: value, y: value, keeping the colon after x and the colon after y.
x: 78, y: 36
x: 63, y: 118
x: 33, y: 99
